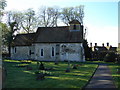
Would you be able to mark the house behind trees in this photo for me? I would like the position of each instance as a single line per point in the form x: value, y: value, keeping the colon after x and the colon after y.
x: 99, y: 52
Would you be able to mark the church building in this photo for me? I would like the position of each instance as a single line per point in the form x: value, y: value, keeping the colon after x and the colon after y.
x: 50, y: 43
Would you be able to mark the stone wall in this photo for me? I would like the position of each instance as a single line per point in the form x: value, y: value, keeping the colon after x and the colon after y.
x: 44, y: 52
x: 21, y: 52
x: 72, y: 52
x: 47, y: 52
x: 67, y: 51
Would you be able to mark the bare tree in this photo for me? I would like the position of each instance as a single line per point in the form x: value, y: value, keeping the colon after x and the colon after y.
x: 70, y: 13
x: 29, y: 21
x: 48, y: 16
x: 3, y: 4
x: 14, y: 19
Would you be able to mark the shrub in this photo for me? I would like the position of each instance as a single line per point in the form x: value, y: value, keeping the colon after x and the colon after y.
x: 118, y: 58
x: 110, y: 57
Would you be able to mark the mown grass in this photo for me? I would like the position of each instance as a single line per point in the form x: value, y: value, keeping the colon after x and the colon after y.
x: 21, y: 78
x: 114, y: 71
x: 116, y: 76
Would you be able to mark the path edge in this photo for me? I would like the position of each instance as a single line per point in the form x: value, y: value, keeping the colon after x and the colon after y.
x: 112, y: 77
x: 83, y: 88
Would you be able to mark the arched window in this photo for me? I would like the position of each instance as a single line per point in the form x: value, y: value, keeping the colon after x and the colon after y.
x: 41, y: 52
x: 15, y: 49
x: 29, y: 52
x: 52, y: 51
x: 74, y: 27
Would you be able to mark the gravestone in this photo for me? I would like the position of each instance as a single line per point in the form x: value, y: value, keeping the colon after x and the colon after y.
x: 41, y: 67
x: 47, y: 69
x: 67, y: 70
x: 29, y: 68
x: 40, y: 76
x: 74, y: 66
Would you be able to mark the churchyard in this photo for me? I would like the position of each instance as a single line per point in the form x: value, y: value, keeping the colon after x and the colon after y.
x: 31, y: 74
x: 55, y: 76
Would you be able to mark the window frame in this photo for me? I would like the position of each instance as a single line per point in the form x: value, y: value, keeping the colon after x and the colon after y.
x: 53, y: 52
x: 15, y: 49
x: 30, y: 52
x: 41, y: 52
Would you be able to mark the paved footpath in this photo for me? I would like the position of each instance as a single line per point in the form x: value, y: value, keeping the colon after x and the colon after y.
x: 102, y: 78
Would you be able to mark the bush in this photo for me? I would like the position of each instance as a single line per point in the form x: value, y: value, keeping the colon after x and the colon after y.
x: 110, y: 57
x: 118, y: 58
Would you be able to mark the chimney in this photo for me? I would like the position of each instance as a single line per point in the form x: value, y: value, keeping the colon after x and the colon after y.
x: 107, y: 44
x: 90, y: 44
x: 95, y: 44
x: 103, y: 44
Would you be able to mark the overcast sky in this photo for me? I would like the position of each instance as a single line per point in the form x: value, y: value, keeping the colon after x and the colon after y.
x: 101, y: 17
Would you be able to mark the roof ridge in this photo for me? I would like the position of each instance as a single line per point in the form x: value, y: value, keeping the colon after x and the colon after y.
x: 54, y: 27
x: 25, y: 33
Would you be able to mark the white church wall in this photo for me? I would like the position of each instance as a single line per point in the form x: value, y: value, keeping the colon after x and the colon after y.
x: 20, y: 52
x: 72, y: 52
x: 47, y: 52
x: 40, y: 51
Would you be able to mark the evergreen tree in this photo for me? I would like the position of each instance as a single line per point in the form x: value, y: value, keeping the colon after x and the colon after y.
x: 87, y: 50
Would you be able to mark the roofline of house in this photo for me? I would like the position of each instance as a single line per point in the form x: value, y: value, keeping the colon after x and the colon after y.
x: 57, y: 42
x: 44, y: 43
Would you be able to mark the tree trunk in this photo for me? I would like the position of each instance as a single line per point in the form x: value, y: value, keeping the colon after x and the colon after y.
x: 9, y: 50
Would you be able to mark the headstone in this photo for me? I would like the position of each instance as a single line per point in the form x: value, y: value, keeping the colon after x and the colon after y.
x: 40, y: 76
x: 74, y: 66
x: 29, y: 68
x: 48, y: 68
x: 56, y: 63
x: 41, y: 67
x: 67, y: 70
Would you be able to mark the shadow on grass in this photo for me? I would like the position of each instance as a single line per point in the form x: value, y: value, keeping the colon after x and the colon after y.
x: 77, y: 78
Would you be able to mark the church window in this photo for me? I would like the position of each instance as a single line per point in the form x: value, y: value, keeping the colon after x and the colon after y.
x: 52, y: 51
x: 29, y: 52
x: 15, y: 50
x: 41, y: 52
x: 74, y: 27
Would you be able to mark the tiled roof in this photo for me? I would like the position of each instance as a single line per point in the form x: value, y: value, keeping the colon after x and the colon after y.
x: 102, y: 49
x: 57, y: 34
x: 113, y: 48
x: 49, y: 35
x: 99, y: 48
x: 23, y: 39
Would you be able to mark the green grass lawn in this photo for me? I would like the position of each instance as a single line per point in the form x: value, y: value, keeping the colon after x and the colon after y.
x: 21, y: 78
x: 115, y: 75
x: 113, y: 68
